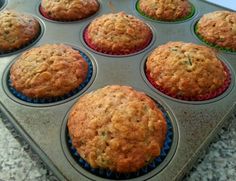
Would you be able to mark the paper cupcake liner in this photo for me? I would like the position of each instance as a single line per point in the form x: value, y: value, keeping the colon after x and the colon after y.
x: 211, y: 44
x: 2, y: 53
x: 108, y: 174
x: 53, y: 99
x: 44, y: 14
x: 208, y: 96
x: 192, y: 12
x: 88, y: 41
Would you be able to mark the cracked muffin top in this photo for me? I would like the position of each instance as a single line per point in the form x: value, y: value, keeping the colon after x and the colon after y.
x: 50, y: 70
x: 118, y: 33
x: 69, y: 10
x: 218, y: 28
x: 17, y: 30
x: 186, y: 69
x: 117, y: 128
x: 168, y: 10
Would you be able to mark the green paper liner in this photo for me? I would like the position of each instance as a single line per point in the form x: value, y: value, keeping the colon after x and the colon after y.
x: 229, y: 50
x: 192, y: 12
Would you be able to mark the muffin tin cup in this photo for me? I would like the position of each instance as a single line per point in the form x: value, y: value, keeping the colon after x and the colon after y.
x: 86, y: 41
x: 147, y: 171
x: 208, y: 96
x: 20, y: 97
x: 48, y: 18
x: 43, y: 125
x: 89, y: 43
x: 212, y: 45
x: 29, y: 44
x: 201, y: 99
x: 192, y: 13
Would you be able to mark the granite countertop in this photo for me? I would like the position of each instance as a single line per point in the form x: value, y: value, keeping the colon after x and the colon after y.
x: 19, y: 163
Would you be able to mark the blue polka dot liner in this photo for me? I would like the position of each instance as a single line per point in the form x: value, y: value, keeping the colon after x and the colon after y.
x: 108, y: 174
x: 53, y: 99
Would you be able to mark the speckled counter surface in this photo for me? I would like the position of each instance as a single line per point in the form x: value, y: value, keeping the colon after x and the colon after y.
x: 17, y: 160
x: 19, y: 163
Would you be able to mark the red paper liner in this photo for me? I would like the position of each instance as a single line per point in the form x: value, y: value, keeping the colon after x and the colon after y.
x: 88, y: 41
x: 207, y: 96
x: 41, y: 10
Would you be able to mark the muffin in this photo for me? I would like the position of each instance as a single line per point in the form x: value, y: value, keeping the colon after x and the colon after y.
x: 117, y: 34
x: 68, y: 10
x: 17, y: 30
x: 117, y: 128
x: 218, y: 28
x: 187, y: 71
x: 167, y: 10
x: 48, y: 71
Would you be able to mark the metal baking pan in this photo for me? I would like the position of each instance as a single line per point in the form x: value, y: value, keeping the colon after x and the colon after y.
x: 44, y: 125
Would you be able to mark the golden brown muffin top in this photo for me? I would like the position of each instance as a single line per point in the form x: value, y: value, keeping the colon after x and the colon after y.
x: 66, y: 10
x: 186, y: 69
x: 165, y: 9
x: 50, y: 70
x: 117, y: 128
x: 219, y: 28
x: 118, y: 32
x: 16, y: 30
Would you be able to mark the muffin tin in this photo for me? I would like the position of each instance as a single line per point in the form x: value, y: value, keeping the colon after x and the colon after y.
x: 43, y: 125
